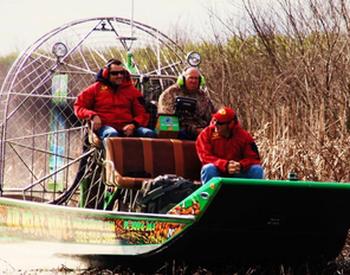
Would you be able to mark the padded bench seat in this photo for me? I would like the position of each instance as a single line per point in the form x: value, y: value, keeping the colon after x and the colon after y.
x: 131, y: 160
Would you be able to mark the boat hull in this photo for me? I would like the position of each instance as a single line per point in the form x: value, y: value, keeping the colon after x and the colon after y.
x: 224, y: 220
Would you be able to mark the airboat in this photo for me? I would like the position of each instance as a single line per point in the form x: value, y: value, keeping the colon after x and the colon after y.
x: 59, y: 186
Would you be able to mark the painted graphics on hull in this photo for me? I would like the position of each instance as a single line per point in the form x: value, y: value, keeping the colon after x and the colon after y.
x: 18, y: 221
x: 21, y: 220
x: 197, y: 202
x: 146, y: 232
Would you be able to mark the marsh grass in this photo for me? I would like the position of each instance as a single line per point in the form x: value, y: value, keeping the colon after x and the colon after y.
x: 287, y: 75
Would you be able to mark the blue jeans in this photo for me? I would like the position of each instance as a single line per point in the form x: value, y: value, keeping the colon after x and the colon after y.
x: 209, y: 171
x: 108, y: 131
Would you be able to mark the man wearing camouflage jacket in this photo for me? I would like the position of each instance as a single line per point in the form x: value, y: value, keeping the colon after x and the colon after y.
x: 190, y: 86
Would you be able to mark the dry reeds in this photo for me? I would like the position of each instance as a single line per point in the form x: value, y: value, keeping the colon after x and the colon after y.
x: 287, y: 75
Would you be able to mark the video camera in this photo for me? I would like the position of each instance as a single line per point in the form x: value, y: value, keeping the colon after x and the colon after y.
x: 185, y: 105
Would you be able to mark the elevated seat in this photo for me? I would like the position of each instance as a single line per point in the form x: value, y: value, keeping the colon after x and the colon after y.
x: 130, y: 161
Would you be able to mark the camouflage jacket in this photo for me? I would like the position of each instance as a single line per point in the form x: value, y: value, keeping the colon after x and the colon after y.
x: 204, y: 108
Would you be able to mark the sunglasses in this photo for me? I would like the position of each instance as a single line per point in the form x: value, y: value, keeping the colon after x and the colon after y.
x: 114, y: 73
x: 222, y: 123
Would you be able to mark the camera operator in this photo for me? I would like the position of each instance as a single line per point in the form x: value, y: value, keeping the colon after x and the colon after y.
x: 188, y: 100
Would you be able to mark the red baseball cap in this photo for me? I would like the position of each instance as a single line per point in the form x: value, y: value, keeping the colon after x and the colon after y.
x: 224, y: 114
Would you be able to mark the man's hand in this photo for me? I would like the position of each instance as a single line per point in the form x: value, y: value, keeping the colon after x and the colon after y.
x: 233, y: 167
x: 96, y: 122
x: 129, y: 129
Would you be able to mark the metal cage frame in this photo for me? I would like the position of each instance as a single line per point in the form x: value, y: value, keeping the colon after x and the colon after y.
x: 33, y: 117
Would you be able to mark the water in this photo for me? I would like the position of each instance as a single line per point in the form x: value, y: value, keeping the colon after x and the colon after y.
x: 43, y: 258
x: 19, y: 257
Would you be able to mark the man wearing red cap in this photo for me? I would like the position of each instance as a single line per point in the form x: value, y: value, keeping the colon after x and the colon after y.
x: 227, y: 150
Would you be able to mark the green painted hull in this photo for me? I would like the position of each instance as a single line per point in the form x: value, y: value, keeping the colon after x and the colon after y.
x: 226, y: 219
x: 93, y: 231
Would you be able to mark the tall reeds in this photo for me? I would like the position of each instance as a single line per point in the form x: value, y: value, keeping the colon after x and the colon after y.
x: 287, y: 75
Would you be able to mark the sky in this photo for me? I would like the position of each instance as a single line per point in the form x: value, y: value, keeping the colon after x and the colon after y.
x: 22, y: 22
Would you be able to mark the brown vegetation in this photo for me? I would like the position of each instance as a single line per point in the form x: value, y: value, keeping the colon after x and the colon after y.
x: 5, y: 63
x: 287, y: 77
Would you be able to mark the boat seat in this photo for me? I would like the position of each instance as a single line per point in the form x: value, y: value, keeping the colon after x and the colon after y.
x: 131, y: 160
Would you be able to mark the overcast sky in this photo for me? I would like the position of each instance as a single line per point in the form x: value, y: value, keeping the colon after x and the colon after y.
x: 24, y: 21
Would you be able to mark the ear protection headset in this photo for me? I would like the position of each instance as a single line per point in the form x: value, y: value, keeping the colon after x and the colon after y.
x: 106, y: 68
x: 181, y: 80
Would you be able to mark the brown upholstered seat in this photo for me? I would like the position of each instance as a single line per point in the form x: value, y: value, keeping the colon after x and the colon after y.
x: 129, y: 161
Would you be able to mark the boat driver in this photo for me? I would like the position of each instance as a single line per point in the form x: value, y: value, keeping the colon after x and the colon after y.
x: 113, y: 105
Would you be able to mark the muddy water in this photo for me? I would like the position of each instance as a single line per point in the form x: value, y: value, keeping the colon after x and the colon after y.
x: 20, y: 257
x: 44, y: 258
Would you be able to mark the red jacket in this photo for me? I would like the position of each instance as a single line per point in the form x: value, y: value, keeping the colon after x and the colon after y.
x: 212, y: 148
x: 115, y: 108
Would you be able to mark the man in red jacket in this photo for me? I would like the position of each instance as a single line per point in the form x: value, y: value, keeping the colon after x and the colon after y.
x: 113, y: 105
x: 226, y: 150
